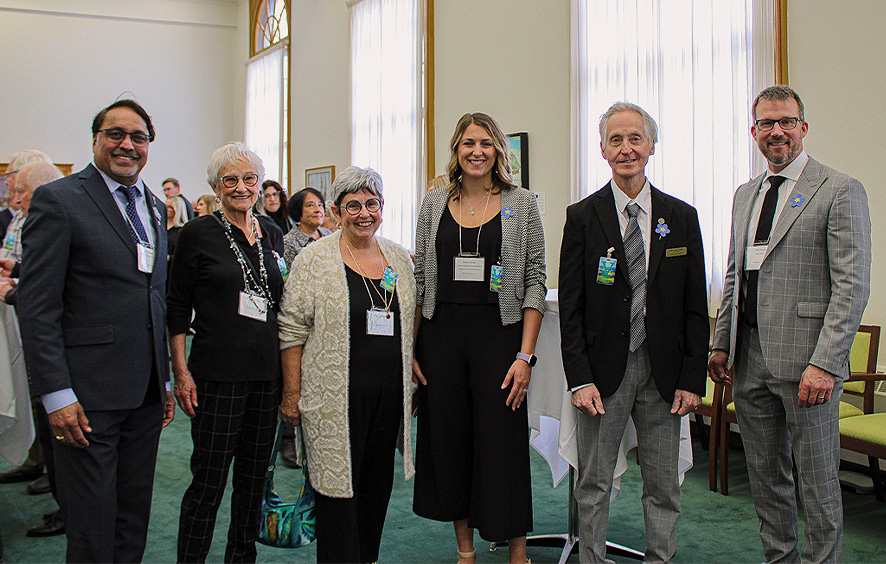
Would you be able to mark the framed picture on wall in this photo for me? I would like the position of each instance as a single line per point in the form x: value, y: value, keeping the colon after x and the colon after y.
x: 518, y: 146
x: 321, y: 178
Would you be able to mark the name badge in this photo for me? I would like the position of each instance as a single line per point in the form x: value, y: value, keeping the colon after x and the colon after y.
x: 676, y: 252
x: 145, y: 258
x: 281, y: 264
x: 495, y: 278
x: 754, y: 256
x: 389, y: 279
x: 379, y: 322
x: 468, y: 269
x: 606, y: 271
x: 253, y: 307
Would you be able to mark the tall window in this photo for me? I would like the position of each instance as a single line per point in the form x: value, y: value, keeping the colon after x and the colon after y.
x: 267, y: 88
x: 695, y: 66
x: 386, y: 108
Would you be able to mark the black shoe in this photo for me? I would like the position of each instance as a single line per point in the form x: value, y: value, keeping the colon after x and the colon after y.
x: 287, y: 454
x: 39, y: 486
x: 53, y: 526
x: 20, y: 475
x: 49, y: 514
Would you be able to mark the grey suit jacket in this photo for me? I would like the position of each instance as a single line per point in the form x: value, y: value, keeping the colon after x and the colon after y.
x: 815, y: 279
x: 522, y: 250
x: 89, y: 319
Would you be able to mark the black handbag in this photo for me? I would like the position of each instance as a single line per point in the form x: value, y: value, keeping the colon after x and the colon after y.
x: 287, y: 525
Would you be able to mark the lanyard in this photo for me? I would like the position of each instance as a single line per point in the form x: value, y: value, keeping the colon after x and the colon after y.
x: 385, y: 300
x: 461, y: 197
x: 264, y: 288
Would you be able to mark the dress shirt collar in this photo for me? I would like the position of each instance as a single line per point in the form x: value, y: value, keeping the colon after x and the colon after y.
x: 113, y: 184
x: 793, y: 170
x: 643, y: 199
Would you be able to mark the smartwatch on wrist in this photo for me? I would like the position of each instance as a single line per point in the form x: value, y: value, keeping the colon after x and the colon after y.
x: 530, y: 359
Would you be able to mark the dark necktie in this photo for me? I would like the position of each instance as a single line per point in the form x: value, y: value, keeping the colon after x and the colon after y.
x: 764, y: 228
x: 136, y: 228
x: 635, y: 252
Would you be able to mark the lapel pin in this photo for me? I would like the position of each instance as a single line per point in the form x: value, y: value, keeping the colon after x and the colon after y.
x: 507, y: 212
x: 797, y: 201
x: 662, y: 228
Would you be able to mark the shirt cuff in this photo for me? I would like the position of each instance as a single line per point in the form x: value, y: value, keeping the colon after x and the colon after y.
x: 53, y: 401
x: 168, y: 386
x: 577, y: 388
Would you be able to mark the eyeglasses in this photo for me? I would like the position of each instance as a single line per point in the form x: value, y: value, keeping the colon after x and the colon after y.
x: 117, y: 135
x: 231, y: 181
x: 372, y: 205
x: 785, y: 123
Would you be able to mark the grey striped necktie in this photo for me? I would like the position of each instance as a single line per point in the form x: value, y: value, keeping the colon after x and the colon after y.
x: 635, y: 252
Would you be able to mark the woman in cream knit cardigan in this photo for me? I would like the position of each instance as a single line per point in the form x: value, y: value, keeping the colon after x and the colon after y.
x: 346, y: 331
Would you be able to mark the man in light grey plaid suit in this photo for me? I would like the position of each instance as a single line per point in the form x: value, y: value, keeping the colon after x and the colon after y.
x: 792, y: 302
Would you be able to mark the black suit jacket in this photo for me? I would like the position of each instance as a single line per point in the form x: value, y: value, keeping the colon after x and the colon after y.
x: 595, y: 318
x: 89, y: 319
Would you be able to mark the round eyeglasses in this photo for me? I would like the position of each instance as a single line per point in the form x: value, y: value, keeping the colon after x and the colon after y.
x: 372, y: 205
x: 231, y: 180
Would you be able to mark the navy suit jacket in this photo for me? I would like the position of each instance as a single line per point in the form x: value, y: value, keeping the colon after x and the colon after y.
x: 595, y: 318
x: 89, y: 319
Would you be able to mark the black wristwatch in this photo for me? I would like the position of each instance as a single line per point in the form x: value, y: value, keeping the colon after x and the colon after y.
x: 530, y: 359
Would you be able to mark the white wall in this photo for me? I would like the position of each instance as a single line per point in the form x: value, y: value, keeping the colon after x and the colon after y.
x: 64, y: 60
x: 836, y: 57
x: 511, y: 60
x: 319, y: 67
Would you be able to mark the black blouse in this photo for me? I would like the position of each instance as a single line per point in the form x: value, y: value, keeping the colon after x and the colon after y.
x: 450, y: 291
x: 206, y: 277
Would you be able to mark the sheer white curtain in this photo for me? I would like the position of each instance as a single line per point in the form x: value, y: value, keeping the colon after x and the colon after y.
x: 265, y: 96
x: 386, y: 110
x: 695, y: 66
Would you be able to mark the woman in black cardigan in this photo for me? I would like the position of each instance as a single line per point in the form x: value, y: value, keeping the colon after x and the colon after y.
x: 226, y: 268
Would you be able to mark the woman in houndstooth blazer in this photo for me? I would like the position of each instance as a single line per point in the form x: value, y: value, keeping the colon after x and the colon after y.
x: 480, y: 282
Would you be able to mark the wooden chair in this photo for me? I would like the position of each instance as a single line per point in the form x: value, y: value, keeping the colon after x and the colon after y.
x: 711, y: 406
x: 866, y: 433
x: 864, y: 352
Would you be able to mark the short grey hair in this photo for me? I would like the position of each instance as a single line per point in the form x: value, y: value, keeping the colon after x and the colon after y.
x: 355, y: 179
x: 22, y: 158
x: 228, y: 153
x: 778, y: 92
x: 33, y: 175
x: 648, y: 123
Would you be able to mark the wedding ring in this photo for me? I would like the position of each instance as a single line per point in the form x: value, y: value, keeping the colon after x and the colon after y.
x: 59, y: 437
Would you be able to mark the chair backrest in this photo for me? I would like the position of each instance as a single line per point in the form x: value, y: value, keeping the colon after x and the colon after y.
x: 863, y: 358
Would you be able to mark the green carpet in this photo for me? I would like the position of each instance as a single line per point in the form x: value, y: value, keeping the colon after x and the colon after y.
x: 712, y: 527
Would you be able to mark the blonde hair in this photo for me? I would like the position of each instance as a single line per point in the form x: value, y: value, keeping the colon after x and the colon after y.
x: 210, y: 202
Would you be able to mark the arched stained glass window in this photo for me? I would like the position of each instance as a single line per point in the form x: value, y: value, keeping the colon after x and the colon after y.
x: 271, y: 24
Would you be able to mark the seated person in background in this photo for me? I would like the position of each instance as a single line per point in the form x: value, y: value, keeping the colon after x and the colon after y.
x: 307, y: 209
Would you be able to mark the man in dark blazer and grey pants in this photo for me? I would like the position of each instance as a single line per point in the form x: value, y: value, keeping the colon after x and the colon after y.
x: 92, y: 310
x: 634, y: 331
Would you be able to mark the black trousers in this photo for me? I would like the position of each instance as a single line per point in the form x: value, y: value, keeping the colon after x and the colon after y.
x: 350, y: 529
x: 47, y: 442
x: 472, y: 451
x: 235, y: 421
x: 105, y: 489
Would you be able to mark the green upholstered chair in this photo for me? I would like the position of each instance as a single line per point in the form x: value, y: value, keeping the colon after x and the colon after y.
x: 863, y: 354
x: 866, y: 433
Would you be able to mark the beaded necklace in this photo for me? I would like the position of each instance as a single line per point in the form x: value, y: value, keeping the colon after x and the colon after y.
x: 263, y: 289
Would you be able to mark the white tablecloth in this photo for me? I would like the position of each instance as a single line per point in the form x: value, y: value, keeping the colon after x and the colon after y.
x: 552, y: 417
x: 16, y: 421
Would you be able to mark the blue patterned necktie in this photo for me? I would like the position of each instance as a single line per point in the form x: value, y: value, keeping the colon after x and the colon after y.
x: 136, y: 228
x: 635, y: 252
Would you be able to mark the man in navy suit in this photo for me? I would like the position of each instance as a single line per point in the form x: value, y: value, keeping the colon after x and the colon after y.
x: 634, y: 328
x: 92, y: 312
